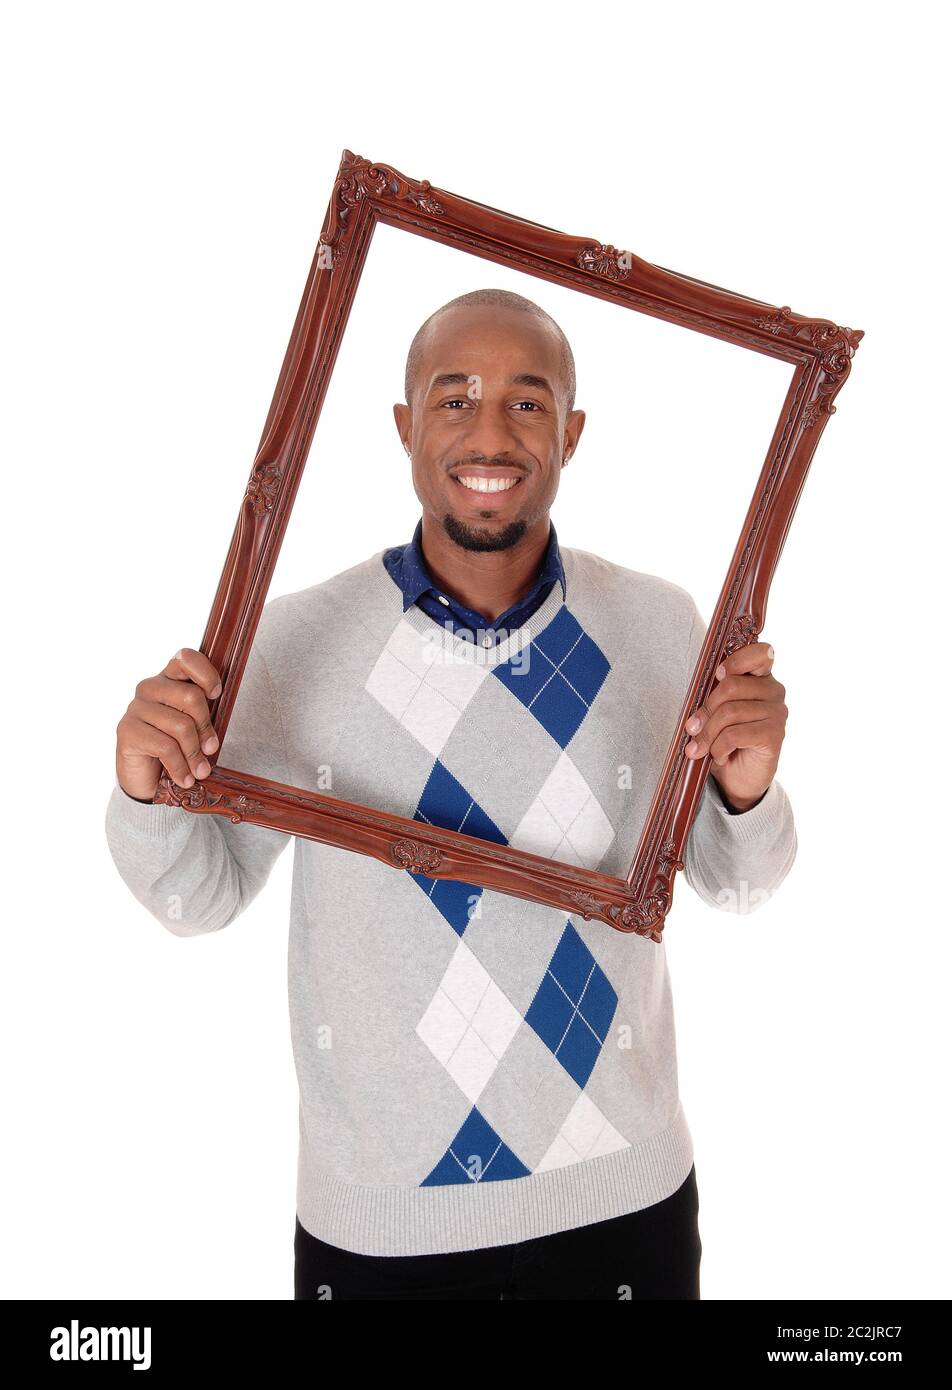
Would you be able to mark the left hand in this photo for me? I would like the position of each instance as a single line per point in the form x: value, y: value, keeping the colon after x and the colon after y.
x: 742, y: 724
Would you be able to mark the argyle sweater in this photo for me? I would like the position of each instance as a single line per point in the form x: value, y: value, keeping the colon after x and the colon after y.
x: 474, y: 1069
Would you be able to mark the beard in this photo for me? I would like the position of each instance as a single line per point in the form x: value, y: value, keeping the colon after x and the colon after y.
x: 483, y: 538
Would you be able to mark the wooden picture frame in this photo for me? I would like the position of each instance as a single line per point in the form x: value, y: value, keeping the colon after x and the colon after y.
x: 820, y: 352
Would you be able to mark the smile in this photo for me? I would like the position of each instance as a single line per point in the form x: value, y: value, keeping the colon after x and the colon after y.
x: 476, y: 484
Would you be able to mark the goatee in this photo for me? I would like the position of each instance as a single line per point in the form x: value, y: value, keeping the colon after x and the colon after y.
x: 478, y: 538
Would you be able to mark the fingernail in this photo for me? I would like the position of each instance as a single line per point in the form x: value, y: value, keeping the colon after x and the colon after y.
x: 770, y: 653
x: 210, y: 744
x: 721, y: 672
x: 691, y: 749
x: 203, y: 769
x: 217, y: 691
x: 693, y: 724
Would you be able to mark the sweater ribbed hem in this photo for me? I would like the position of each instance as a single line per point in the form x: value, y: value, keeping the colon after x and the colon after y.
x: 477, y: 1215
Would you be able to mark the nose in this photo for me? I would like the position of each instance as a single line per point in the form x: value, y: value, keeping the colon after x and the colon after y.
x: 492, y: 435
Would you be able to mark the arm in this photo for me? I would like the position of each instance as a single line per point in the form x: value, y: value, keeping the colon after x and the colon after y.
x: 197, y: 872
x: 736, y: 859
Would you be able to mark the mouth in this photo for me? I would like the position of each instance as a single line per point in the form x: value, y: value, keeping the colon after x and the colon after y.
x: 480, y: 485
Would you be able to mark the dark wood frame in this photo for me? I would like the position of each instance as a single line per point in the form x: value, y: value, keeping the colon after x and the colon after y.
x: 820, y: 352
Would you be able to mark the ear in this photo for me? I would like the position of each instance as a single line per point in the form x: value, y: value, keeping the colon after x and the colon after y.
x: 403, y: 417
x: 574, y: 425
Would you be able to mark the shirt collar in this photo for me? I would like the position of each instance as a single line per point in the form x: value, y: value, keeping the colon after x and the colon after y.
x: 415, y: 579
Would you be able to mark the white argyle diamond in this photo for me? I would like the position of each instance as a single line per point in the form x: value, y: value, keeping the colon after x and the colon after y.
x: 585, y: 1134
x: 565, y: 821
x: 469, y: 1023
x: 426, y: 695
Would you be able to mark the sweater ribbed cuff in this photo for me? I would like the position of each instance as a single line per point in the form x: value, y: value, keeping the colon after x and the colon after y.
x: 747, y: 826
x: 156, y: 821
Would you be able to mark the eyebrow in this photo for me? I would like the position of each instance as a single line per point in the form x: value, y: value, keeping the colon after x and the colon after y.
x: 520, y: 379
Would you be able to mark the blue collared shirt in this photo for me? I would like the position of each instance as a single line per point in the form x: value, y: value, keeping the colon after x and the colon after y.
x: 408, y: 571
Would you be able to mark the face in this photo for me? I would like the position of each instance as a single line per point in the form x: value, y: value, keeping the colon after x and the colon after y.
x: 487, y: 429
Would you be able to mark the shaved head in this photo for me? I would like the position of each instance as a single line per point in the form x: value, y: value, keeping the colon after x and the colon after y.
x: 504, y: 299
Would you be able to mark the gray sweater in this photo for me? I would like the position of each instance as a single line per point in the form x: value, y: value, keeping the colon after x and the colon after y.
x: 474, y: 1069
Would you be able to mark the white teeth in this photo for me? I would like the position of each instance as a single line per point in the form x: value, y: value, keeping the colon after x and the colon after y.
x: 488, y: 484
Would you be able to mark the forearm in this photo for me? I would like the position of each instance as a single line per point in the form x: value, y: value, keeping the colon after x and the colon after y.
x: 736, y: 861
x: 194, y: 873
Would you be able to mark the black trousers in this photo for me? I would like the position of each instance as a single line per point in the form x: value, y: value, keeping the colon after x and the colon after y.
x: 653, y: 1253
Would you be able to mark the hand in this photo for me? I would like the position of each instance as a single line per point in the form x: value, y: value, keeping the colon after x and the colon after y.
x: 168, y: 725
x: 742, y: 724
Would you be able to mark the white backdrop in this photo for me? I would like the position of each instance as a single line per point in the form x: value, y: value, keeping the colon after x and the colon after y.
x: 166, y: 176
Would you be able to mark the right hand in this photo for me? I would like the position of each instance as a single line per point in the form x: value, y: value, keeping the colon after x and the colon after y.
x: 167, y: 725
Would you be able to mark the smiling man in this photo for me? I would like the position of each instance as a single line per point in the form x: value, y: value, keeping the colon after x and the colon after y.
x: 488, y: 438
x: 489, y: 1104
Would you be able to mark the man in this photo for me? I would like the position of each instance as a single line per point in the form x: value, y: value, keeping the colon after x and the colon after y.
x: 489, y: 1099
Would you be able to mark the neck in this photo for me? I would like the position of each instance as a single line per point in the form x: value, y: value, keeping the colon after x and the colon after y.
x: 487, y: 581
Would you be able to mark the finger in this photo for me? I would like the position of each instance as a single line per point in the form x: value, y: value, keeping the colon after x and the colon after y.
x: 731, y: 713
x: 744, y: 687
x: 158, y: 743
x: 755, y: 659
x: 733, y: 688
x: 190, y: 665
x: 177, y: 725
x: 182, y: 695
x: 762, y: 734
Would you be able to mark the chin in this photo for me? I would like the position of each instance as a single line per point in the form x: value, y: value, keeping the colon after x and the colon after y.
x: 489, y: 533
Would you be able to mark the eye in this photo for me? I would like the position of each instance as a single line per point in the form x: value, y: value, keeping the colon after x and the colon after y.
x: 535, y: 404
x: 457, y: 400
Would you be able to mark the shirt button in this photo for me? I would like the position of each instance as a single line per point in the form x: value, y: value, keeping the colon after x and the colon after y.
x: 487, y: 641
x: 443, y: 600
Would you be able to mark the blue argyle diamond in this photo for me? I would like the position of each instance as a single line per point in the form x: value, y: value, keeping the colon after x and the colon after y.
x: 477, y: 1154
x: 563, y: 674
x: 446, y: 802
x: 573, y: 1007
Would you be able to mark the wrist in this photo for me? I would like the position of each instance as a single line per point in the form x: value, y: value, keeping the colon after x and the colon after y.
x: 142, y: 800
x: 737, y: 806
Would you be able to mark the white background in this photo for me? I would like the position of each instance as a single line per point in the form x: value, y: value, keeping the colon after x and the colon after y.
x: 165, y: 174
